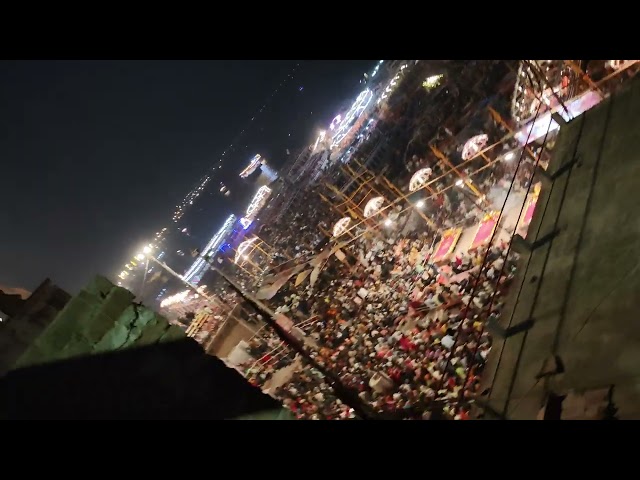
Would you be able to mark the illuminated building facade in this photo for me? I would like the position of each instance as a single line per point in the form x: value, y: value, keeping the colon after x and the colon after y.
x: 268, y: 172
x: 257, y: 203
x: 195, y: 272
x: 350, y: 119
x: 259, y: 172
x: 254, y: 164
x: 293, y: 167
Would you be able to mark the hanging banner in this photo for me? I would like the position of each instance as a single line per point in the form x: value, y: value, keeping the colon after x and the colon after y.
x: 529, y: 211
x: 302, y: 276
x: 485, y: 230
x: 341, y: 256
x: 315, y: 274
x: 447, y: 244
x: 531, y: 207
x: 268, y: 291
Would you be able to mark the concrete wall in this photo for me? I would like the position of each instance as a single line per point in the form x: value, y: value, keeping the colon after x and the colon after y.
x: 231, y: 332
x: 100, y: 319
x: 582, y: 288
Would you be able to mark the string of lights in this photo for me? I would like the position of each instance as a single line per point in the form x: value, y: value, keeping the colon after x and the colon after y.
x: 393, y: 83
x: 190, y: 198
x: 192, y: 195
x: 342, y: 125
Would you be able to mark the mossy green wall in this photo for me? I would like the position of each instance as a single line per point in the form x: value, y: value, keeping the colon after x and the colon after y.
x: 101, y: 318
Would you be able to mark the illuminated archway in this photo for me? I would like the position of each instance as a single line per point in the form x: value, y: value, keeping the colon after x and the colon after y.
x: 531, y: 89
x: 419, y: 179
x: 373, y: 206
x: 341, y: 226
x: 259, y: 200
x: 335, y: 122
x: 474, y: 145
x: 243, y: 248
x: 344, y: 127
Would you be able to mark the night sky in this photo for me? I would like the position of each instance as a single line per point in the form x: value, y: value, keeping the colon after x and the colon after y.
x: 96, y: 154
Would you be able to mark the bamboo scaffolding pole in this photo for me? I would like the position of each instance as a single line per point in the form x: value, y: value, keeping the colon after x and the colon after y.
x: 333, y: 207
x: 349, y: 201
x: 617, y: 72
x: 448, y: 163
x: 397, y: 192
x: 498, y: 118
x: 583, y: 75
x: 366, y: 220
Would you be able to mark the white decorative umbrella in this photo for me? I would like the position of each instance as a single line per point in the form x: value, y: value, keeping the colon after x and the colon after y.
x: 474, y: 145
x: 341, y: 226
x: 373, y: 206
x: 419, y: 179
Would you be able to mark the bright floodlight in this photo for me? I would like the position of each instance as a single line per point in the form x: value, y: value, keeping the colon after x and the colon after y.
x: 459, y: 183
x: 245, y: 223
x: 420, y: 204
x: 178, y: 297
x: 509, y: 156
x: 474, y: 145
x: 341, y: 226
x: 320, y: 138
x: 140, y: 257
x: 432, y: 81
x: 373, y: 206
x: 419, y: 179
x: 146, y: 250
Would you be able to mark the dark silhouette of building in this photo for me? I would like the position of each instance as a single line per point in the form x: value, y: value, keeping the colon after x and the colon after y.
x: 164, y: 381
x: 27, y: 319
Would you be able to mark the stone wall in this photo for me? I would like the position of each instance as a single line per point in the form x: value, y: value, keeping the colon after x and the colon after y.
x: 581, y: 288
x: 101, y: 318
x: 106, y: 357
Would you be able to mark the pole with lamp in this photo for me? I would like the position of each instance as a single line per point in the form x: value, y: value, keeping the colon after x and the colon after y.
x: 147, y: 253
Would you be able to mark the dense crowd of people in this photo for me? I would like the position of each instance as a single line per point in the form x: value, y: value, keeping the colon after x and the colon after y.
x: 384, y: 320
x: 406, y: 336
x: 409, y: 337
x: 299, y: 235
x: 398, y: 330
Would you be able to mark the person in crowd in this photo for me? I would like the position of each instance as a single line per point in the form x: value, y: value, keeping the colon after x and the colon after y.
x: 408, y: 336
